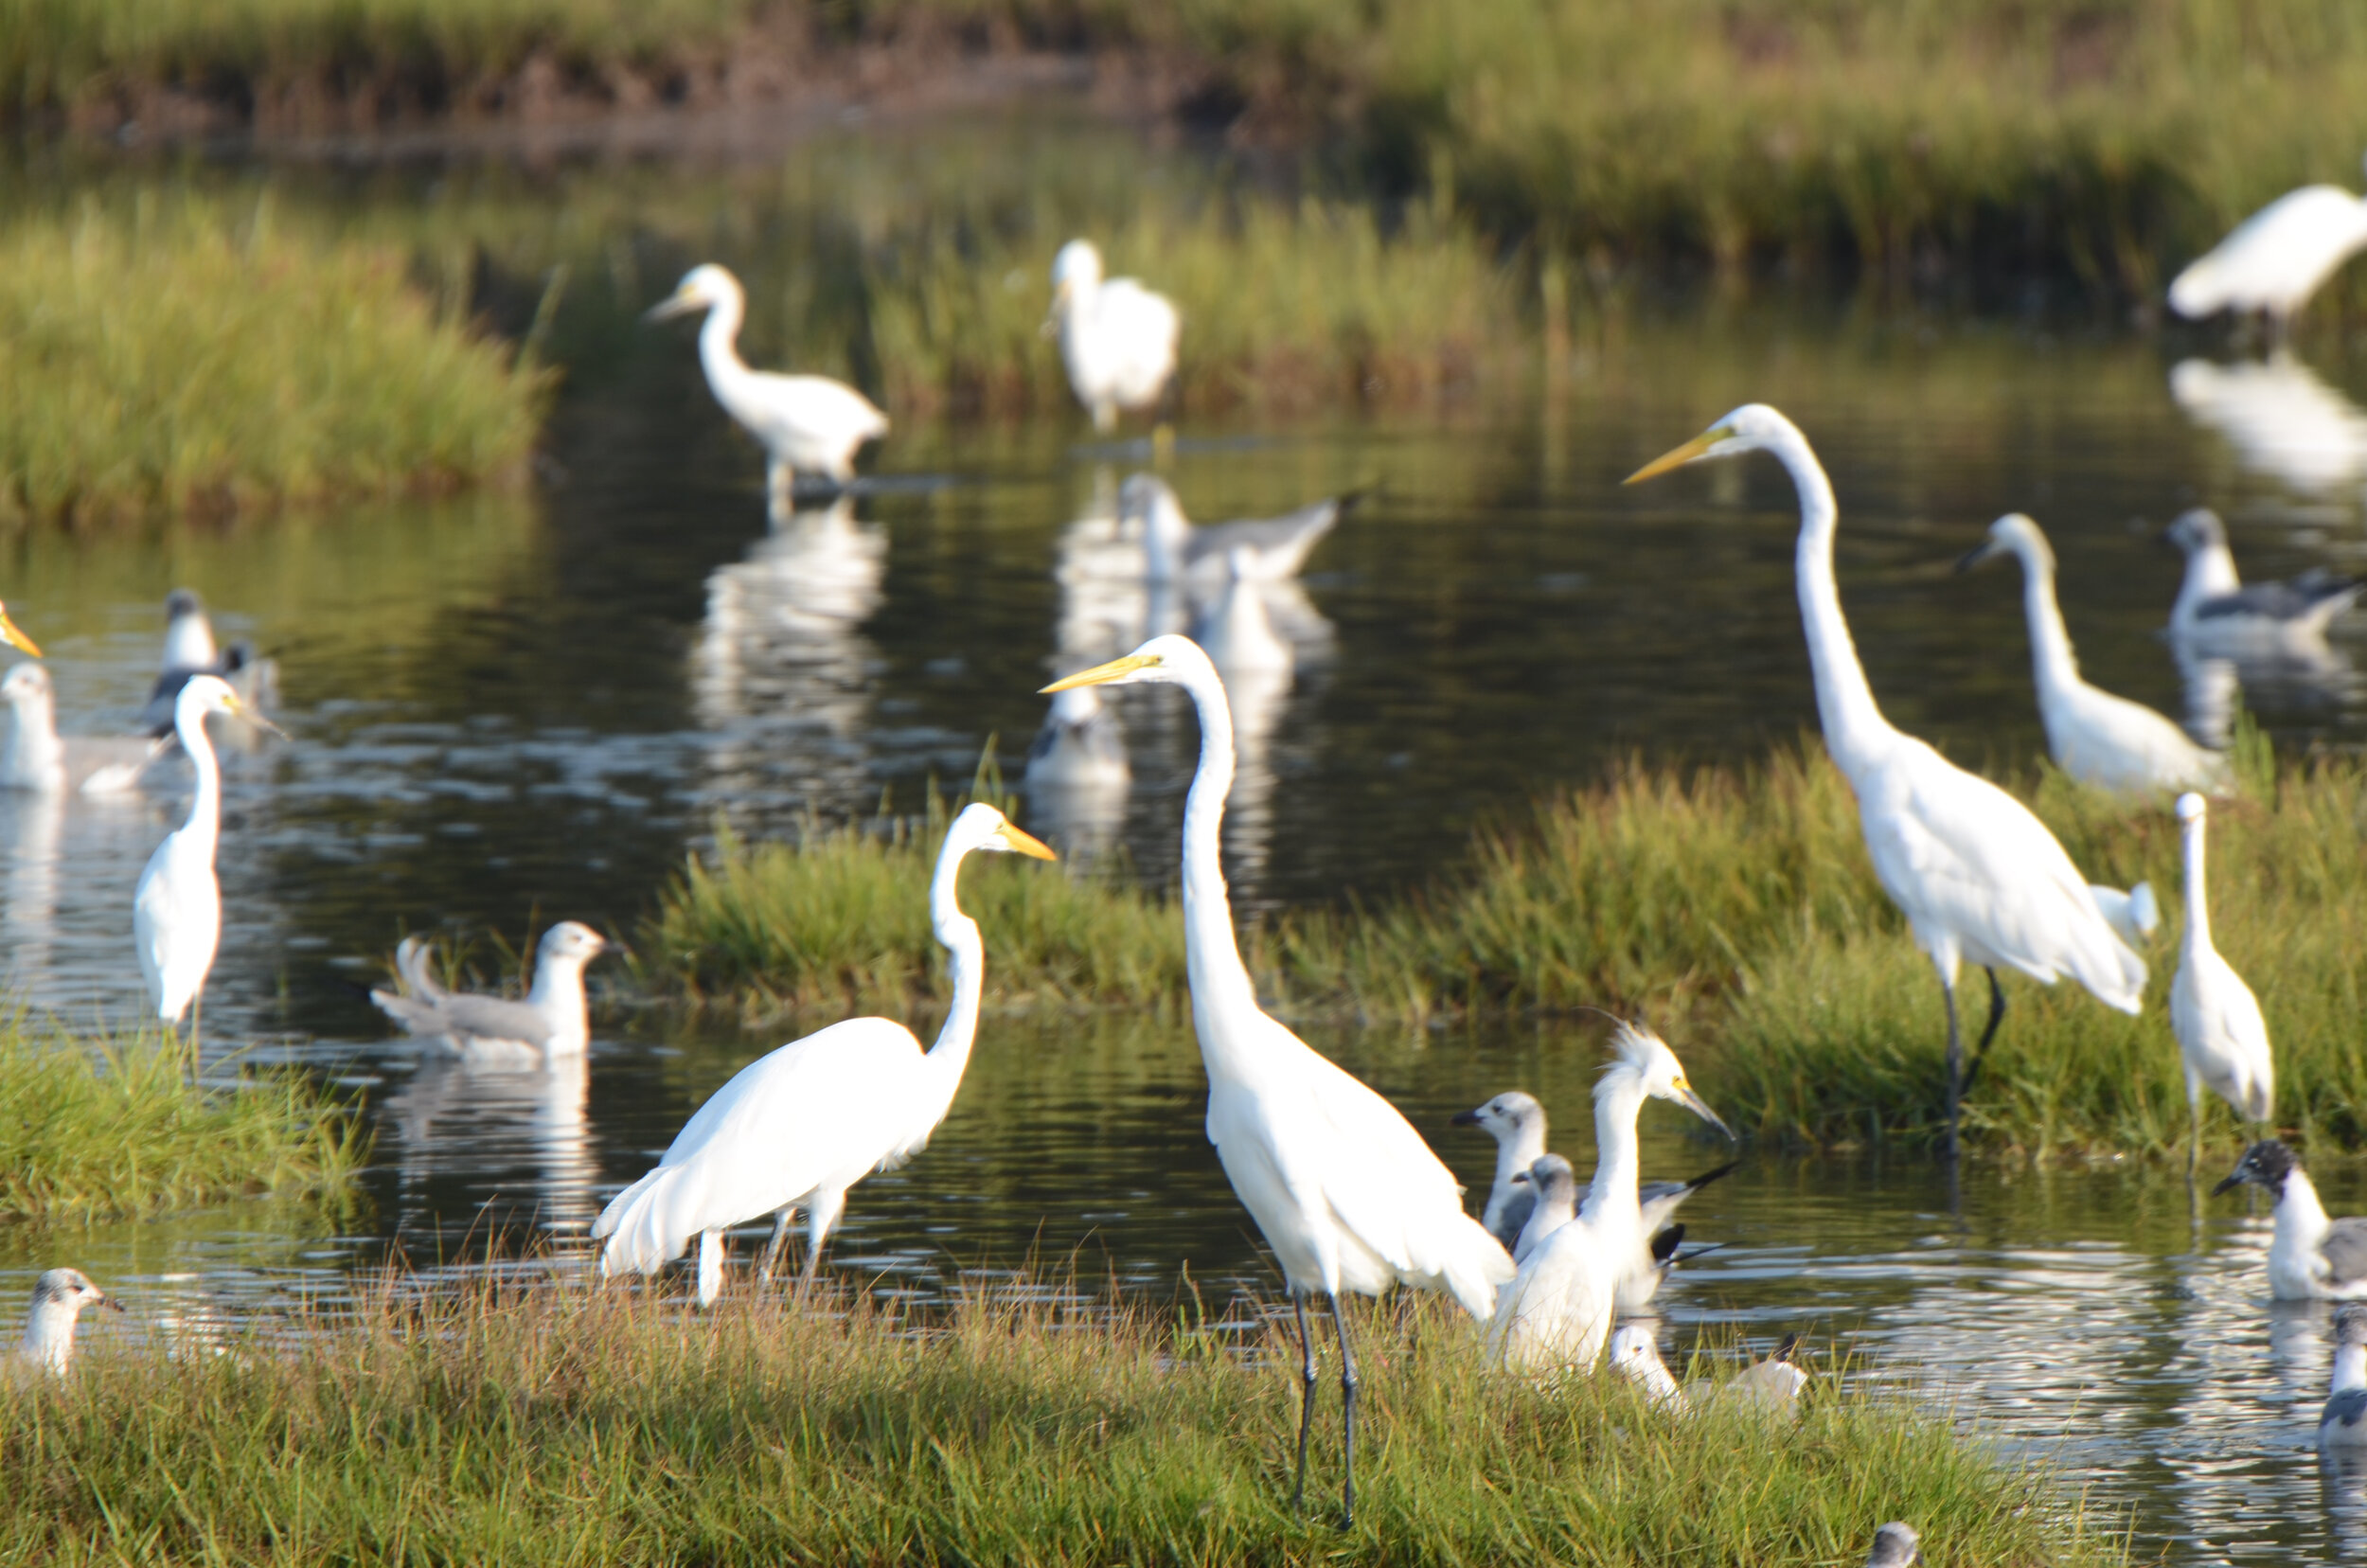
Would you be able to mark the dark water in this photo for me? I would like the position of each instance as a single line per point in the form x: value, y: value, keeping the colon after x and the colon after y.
x: 508, y: 710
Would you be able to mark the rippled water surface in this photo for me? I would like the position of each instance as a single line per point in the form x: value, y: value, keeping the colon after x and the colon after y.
x: 512, y: 709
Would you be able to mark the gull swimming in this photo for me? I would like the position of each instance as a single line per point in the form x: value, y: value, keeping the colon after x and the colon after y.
x: 2217, y: 612
x: 2098, y: 738
x: 2221, y: 1033
x: 38, y: 758
x: 2342, y: 1424
x: 1175, y: 550
x: 2310, y: 1257
x: 61, y: 1297
x: 553, y: 1021
x: 809, y: 422
x: 1117, y: 338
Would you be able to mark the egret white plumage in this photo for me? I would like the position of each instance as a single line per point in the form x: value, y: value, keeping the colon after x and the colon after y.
x: 2276, y: 258
x: 2215, y: 1015
x: 1978, y: 878
x: 1641, y: 1068
x: 2135, y: 913
x: 2342, y: 1424
x: 1517, y: 1122
x: 809, y: 423
x: 2096, y: 738
x: 176, y: 910
x: 2217, y: 611
x: 1117, y: 338
x: 61, y: 1297
x: 795, y: 1129
x: 1555, y: 1311
x: 1342, y: 1188
x: 1176, y: 550
x: 553, y: 1021
x: 2311, y: 1257
x: 38, y: 758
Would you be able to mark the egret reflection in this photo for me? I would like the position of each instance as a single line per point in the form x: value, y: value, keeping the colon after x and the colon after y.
x: 2280, y: 420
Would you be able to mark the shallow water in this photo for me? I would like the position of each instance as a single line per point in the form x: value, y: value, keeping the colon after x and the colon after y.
x: 512, y: 709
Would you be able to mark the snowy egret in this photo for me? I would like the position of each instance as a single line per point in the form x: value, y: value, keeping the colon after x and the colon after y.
x: 1896, y: 1545
x: 2275, y: 259
x: 1117, y: 338
x: 1175, y: 551
x: 2096, y: 738
x: 2215, y: 1015
x: 36, y: 758
x: 60, y: 1298
x: 1517, y: 1122
x: 2343, y: 1423
x: 1978, y: 877
x: 807, y: 422
x: 1552, y: 1188
x: 1641, y: 1068
x: 2217, y: 612
x: 1555, y: 1311
x: 1344, y: 1189
x: 551, y: 1021
x: 176, y: 911
x: 2310, y: 1257
x: 796, y: 1128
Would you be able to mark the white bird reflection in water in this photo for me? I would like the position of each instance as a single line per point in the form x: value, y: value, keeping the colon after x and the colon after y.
x: 464, y: 1122
x: 32, y: 829
x: 2307, y: 677
x: 782, y: 674
x: 2280, y: 418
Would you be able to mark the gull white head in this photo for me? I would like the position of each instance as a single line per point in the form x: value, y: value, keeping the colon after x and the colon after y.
x: 1169, y: 659
x: 2350, y: 1324
x: 26, y: 687
x: 1643, y: 1060
x: 1505, y: 1117
x: 571, y: 942
x: 2013, y: 534
x: 59, y: 1298
x: 702, y: 288
x: 1753, y: 427
x: 1076, y: 268
x: 1896, y: 1545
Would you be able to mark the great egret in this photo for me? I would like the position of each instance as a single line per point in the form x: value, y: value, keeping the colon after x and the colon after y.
x: 1517, y: 1122
x: 1978, y: 878
x: 1344, y: 1189
x: 1174, y: 550
x: 1117, y: 338
x: 795, y: 1129
x: 2134, y: 914
x: 2215, y: 1015
x: 2275, y: 259
x: 2096, y: 738
x: 2310, y: 1257
x: 551, y: 1021
x: 61, y: 1297
x: 2217, y: 613
x: 1896, y: 1545
x: 36, y: 758
x: 2342, y: 1424
x: 176, y: 911
x: 807, y: 422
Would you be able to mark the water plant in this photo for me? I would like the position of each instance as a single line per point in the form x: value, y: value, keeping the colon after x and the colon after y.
x: 556, y: 1422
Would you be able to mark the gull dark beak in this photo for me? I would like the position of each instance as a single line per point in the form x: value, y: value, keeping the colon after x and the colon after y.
x: 110, y: 1302
x: 2230, y: 1184
x: 1465, y: 1119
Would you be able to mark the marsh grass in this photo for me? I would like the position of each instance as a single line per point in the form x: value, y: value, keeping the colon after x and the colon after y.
x: 124, y: 1126
x: 558, y: 1423
x: 176, y: 358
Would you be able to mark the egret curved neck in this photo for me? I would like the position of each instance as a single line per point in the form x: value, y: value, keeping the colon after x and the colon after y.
x: 2052, y: 662
x: 967, y: 960
x: 1212, y: 955
x: 1618, y: 1099
x: 204, y: 824
x: 2198, y: 901
x: 1855, y: 730
x: 719, y: 351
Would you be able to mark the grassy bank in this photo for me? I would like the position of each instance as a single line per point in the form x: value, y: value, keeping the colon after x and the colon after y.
x: 564, y: 1425
x: 176, y: 359
x: 1736, y: 905
x: 122, y: 1129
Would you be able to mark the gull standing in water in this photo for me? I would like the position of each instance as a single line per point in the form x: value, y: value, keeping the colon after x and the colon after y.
x: 1117, y: 338
x: 2215, y: 1015
x: 553, y: 1021
x: 2310, y: 1257
x: 2096, y: 738
x: 1517, y: 1122
x: 1342, y: 1188
x: 176, y: 911
x: 2218, y: 613
x: 1977, y: 875
x: 2275, y: 259
x: 38, y: 758
x: 795, y: 1129
x: 807, y: 422
x: 2343, y: 1423
x: 59, y: 1298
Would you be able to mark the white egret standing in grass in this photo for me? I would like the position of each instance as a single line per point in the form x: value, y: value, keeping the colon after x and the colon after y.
x: 1978, y: 877
x: 61, y: 1297
x: 807, y: 422
x: 2215, y: 1015
x: 795, y: 1129
x: 176, y: 911
x: 1342, y: 1188
x: 2275, y: 259
x: 552, y: 1020
x: 2096, y: 738
x: 1117, y: 338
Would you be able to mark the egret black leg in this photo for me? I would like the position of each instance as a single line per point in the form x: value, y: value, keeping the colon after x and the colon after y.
x: 1955, y: 1069
x: 1307, y: 1396
x: 1347, y: 1412
x: 1988, y: 1031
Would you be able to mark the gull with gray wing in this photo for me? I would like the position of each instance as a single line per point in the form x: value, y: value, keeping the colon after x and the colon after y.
x: 61, y: 1297
x: 553, y: 1021
x: 2311, y: 1257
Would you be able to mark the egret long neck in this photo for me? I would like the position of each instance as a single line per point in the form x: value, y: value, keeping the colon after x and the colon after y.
x: 967, y: 960
x: 718, y: 351
x: 2198, y: 902
x: 1212, y: 955
x: 2052, y: 663
x: 1617, y: 1101
x: 1855, y: 730
x: 204, y: 824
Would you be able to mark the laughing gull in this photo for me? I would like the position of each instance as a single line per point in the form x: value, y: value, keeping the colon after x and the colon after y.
x: 2343, y: 1423
x: 59, y: 1298
x: 189, y: 634
x: 551, y: 1021
x: 2310, y: 1257
x: 1896, y: 1545
x: 2217, y: 611
x: 2215, y: 1015
x: 1517, y: 1122
x: 36, y: 758
x: 1176, y: 551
